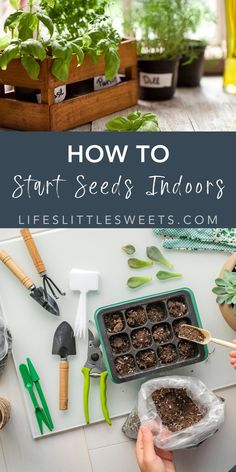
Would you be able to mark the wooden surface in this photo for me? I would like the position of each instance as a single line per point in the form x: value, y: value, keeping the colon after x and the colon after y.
x: 205, y: 108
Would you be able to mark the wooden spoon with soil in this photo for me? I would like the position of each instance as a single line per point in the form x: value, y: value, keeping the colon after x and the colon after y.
x: 201, y: 336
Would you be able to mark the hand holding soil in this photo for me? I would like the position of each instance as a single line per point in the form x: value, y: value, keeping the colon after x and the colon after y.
x: 151, y: 459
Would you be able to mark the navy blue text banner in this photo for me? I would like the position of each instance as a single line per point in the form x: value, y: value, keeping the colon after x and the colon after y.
x: 121, y: 180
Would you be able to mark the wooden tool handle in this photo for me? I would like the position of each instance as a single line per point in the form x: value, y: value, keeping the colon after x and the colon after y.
x: 13, y: 267
x: 224, y: 343
x: 33, y: 250
x: 64, y: 376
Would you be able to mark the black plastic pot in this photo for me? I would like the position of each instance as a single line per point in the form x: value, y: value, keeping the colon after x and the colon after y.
x: 190, y: 74
x: 157, y: 78
x: 26, y: 95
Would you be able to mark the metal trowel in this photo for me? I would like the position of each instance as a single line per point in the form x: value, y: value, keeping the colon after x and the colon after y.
x: 37, y: 293
x: 64, y: 346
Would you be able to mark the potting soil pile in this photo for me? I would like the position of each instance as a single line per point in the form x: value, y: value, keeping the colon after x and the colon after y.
x: 180, y: 411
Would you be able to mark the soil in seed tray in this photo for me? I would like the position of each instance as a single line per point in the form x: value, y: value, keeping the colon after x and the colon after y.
x: 156, y: 312
x: 161, y: 333
x: 186, y: 349
x: 177, y: 325
x: 125, y: 365
x: 167, y: 354
x: 141, y: 338
x: 176, y: 409
x: 177, y: 307
x: 119, y: 343
x: 191, y: 333
x: 114, y: 322
x: 136, y: 316
x: 146, y: 359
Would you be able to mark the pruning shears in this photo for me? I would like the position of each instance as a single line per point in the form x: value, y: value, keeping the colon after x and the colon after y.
x: 94, y: 367
x: 31, y: 381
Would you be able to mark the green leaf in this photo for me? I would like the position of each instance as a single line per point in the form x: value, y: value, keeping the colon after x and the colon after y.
x: 164, y: 275
x: 61, y: 51
x: 33, y: 48
x: 13, y: 19
x: 61, y: 68
x: 218, y: 290
x: 50, y: 3
x: 31, y: 66
x: 220, y: 282
x: 135, y: 282
x: 11, y: 52
x: 229, y: 299
x: 112, y: 63
x: 5, y: 41
x: 46, y: 20
x: 138, y: 263
x: 229, y: 276
x: 27, y: 25
x: 14, y: 3
x: 221, y: 299
x: 148, y: 126
x: 79, y: 53
x: 128, y: 249
x: 134, y: 115
x: 119, y: 123
x: 155, y: 255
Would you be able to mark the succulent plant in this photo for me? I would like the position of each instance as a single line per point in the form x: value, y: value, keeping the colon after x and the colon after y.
x: 226, y: 289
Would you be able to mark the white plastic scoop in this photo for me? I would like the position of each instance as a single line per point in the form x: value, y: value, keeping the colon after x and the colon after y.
x: 207, y: 337
x: 82, y: 281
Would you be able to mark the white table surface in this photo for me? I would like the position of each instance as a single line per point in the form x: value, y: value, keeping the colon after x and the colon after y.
x: 99, y: 448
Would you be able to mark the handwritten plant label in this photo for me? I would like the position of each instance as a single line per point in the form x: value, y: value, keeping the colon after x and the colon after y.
x: 155, y: 80
x: 59, y: 94
x: 100, y: 82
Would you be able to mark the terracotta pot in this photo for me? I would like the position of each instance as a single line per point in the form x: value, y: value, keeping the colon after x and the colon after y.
x: 227, y: 310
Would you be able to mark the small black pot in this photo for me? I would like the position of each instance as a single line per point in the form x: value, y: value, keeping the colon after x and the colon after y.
x: 157, y: 78
x: 190, y: 74
x: 26, y: 95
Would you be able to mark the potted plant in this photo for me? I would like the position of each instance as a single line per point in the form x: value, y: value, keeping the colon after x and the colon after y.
x: 37, y: 56
x: 226, y: 291
x: 159, y: 31
x: 195, y: 13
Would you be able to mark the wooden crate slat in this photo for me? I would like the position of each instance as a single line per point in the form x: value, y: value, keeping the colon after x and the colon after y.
x: 77, y: 111
x: 16, y: 75
x: 24, y: 116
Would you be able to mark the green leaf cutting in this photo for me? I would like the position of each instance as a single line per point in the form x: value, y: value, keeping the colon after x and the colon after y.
x: 155, y: 255
x: 138, y: 263
x: 128, y: 249
x: 165, y: 275
x: 135, y: 282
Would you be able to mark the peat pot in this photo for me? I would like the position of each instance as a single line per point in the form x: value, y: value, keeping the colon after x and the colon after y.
x: 190, y: 74
x: 227, y: 310
x: 157, y: 78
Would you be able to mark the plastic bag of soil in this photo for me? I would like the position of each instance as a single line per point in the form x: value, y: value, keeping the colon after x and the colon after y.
x: 180, y: 411
x: 5, y: 344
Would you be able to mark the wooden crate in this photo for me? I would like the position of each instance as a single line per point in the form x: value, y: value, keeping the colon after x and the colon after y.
x: 50, y: 116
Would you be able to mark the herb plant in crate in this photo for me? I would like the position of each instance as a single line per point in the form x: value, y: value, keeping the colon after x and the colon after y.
x: 159, y: 31
x: 38, y: 55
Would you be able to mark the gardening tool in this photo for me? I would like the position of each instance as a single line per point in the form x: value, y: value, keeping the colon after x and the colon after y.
x: 94, y: 367
x: 40, y: 413
x: 207, y: 338
x: 37, y: 293
x: 83, y: 281
x: 36, y: 380
x: 64, y: 346
x: 39, y: 265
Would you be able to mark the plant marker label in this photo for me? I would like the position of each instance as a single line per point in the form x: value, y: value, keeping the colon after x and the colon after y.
x: 155, y: 80
x: 59, y: 94
x: 100, y: 82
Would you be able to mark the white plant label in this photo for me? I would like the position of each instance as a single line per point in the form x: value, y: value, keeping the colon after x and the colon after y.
x: 100, y: 82
x: 155, y: 80
x: 59, y: 94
